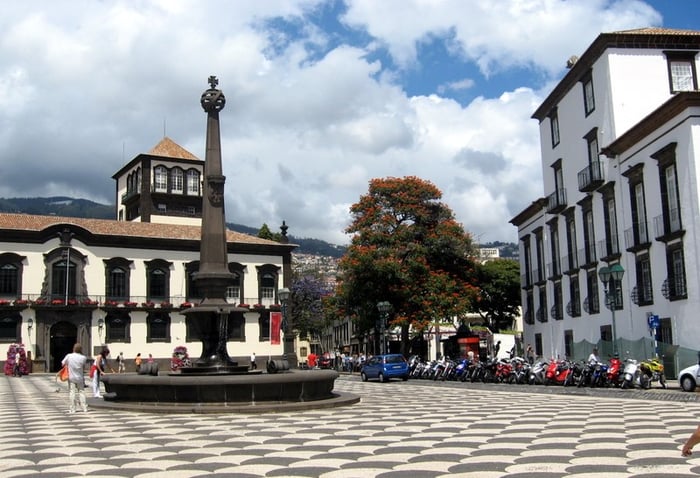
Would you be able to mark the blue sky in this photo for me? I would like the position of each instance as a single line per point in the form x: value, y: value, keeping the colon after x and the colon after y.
x: 323, y: 96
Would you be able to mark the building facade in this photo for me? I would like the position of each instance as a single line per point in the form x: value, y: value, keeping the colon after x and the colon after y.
x: 125, y: 283
x: 620, y: 145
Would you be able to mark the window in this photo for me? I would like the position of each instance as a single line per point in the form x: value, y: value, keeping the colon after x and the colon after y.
x: 539, y: 246
x: 538, y: 345
x: 117, y: 284
x: 588, y: 94
x: 542, y: 311
x: 264, y: 326
x: 592, y: 290
x: 192, y: 292
x: 557, y: 311
x: 554, y: 127
x: 681, y: 70
x: 267, y: 283
x: 574, y: 307
x: 669, y: 222
x: 675, y: 264
x: 644, y: 288
x: 527, y: 262
x: 236, y: 327
x: 571, y: 245
x: 234, y: 292
x: 589, y: 237
x: 9, y: 280
x: 176, y: 181
x: 63, y: 279
x: 9, y: 327
x: 568, y: 343
x: 157, y: 280
x: 611, y: 245
x: 193, y: 182
x: 158, y: 327
x: 117, y: 326
x: 555, y: 269
x: 161, y: 179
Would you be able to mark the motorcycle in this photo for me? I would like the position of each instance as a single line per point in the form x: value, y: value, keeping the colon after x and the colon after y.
x: 654, y: 370
x: 632, y: 376
x: 557, y: 372
x: 537, y: 372
x: 614, y: 373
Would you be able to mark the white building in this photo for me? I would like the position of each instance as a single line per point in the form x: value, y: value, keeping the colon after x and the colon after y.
x: 123, y: 283
x: 620, y: 145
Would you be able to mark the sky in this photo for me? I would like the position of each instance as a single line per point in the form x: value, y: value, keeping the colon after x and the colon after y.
x: 322, y: 96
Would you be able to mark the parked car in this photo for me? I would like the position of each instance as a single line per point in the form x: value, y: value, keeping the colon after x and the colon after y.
x: 325, y: 361
x: 385, y: 367
x: 688, y: 378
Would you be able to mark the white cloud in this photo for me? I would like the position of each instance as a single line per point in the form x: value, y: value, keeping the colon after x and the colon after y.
x: 86, y: 86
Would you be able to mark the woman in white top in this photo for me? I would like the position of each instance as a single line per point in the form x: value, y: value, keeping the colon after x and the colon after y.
x: 76, y: 377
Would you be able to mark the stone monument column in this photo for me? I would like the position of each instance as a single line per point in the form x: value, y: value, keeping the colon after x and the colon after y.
x: 210, y: 317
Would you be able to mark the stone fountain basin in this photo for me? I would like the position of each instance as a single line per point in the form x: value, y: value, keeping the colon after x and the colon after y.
x: 292, y: 386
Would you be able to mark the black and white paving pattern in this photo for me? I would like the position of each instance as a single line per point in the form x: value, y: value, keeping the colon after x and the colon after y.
x: 399, y: 429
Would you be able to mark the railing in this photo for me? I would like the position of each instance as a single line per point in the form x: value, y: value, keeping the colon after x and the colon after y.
x: 556, y: 201
x: 554, y: 268
x: 608, y: 247
x: 636, y: 235
x: 141, y: 302
x: 591, y: 177
x: 587, y: 255
x: 571, y: 262
x: 541, y: 315
x: 668, y: 223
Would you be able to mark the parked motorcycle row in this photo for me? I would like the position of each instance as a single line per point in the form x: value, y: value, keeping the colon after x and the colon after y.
x: 629, y: 373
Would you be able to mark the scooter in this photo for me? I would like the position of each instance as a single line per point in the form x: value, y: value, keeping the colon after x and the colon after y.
x: 614, y: 373
x: 654, y: 370
x: 633, y: 376
x: 557, y: 372
x: 537, y: 372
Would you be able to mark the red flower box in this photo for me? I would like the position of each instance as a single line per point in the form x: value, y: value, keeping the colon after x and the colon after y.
x: 245, y: 306
x: 4, y: 302
x: 185, y: 305
x: 57, y: 302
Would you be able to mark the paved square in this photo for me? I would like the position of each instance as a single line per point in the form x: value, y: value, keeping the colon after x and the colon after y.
x: 400, y: 429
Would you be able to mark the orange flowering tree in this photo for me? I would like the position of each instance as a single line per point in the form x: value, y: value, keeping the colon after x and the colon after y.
x: 406, y: 249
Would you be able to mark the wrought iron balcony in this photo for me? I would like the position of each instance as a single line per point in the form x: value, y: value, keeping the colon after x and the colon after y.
x: 556, y: 202
x: 591, y: 177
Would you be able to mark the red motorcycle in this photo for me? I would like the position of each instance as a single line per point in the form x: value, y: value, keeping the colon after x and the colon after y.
x: 558, y: 372
x: 614, y: 372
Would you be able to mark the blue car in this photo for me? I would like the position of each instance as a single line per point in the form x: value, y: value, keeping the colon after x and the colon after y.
x: 385, y: 367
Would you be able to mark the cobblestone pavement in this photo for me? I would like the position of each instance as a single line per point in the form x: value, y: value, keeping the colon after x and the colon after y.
x: 399, y: 429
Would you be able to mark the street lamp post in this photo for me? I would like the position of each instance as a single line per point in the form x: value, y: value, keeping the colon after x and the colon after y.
x: 384, y: 308
x: 610, y: 277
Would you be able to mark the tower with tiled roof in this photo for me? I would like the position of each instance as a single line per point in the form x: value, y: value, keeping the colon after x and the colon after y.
x: 163, y: 186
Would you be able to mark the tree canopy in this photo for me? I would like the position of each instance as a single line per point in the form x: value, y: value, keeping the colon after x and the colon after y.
x: 406, y: 249
x: 499, y: 300
x: 306, y: 305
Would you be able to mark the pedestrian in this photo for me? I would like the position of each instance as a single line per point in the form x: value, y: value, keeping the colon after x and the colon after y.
x: 692, y: 440
x: 121, y: 367
x: 253, y: 363
x: 150, y: 358
x: 99, y: 368
x: 137, y: 362
x: 75, y: 362
x: 496, y: 349
x: 530, y: 354
x: 593, y: 358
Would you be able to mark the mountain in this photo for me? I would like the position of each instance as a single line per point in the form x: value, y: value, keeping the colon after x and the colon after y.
x: 71, y: 207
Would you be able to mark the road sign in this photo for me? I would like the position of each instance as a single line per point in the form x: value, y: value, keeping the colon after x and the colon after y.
x: 653, y: 321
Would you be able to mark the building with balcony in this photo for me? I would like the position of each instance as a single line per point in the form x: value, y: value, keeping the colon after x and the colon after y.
x: 620, y: 146
x: 125, y: 283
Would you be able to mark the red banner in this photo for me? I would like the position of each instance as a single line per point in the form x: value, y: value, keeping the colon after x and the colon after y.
x: 275, y: 324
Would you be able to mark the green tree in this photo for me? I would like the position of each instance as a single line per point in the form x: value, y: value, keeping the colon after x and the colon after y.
x: 265, y: 233
x: 499, y: 300
x: 407, y: 249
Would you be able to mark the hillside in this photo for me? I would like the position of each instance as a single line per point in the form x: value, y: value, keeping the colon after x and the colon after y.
x: 70, y: 207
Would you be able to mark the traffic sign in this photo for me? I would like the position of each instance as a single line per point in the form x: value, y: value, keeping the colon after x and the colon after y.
x: 654, y: 321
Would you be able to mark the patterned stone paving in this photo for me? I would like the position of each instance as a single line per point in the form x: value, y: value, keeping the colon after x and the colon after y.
x: 400, y: 429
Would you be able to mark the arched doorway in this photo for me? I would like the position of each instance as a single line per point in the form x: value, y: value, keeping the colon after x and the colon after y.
x: 63, y: 336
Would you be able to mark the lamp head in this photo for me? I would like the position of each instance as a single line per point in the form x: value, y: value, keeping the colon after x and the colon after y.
x: 284, y: 294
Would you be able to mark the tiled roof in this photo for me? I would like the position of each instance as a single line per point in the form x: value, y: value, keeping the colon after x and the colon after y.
x: 105, y: 227
x: 170, y: 149
x: 658, y: 31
